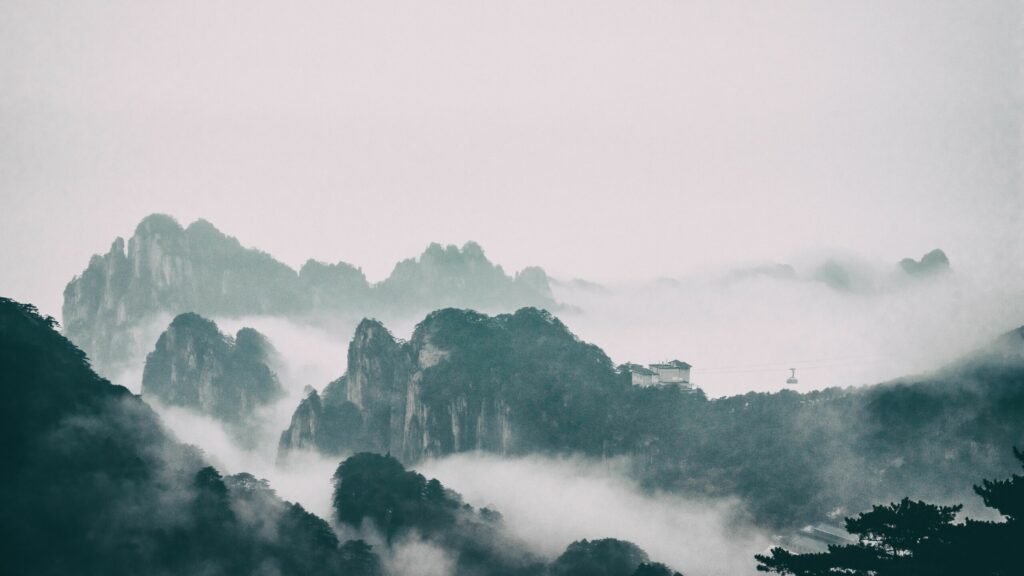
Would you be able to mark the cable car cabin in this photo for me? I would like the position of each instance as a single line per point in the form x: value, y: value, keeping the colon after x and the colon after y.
x: 792, y: 377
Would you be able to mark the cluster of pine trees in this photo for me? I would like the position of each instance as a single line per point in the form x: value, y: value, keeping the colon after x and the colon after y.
x: 912, y: 538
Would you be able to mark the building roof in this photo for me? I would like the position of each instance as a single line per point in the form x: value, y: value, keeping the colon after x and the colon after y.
x: 672, y: 364
x: 635, y: 369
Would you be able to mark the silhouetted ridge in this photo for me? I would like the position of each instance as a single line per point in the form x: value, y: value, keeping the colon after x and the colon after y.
x: 167, y: 269
x: 93, y: 485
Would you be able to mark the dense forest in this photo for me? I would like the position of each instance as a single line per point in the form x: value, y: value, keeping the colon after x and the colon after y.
x: 914, y: 537
x: 523, y: 383
x: 94, y: 485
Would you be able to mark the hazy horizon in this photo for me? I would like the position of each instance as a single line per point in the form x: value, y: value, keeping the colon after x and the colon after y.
x: 611, y: 142
x: 728, y: 183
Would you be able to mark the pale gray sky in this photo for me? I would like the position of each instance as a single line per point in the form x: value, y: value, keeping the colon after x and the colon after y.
x: 598, y: 139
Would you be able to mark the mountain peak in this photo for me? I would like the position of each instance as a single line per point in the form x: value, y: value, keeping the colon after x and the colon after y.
x: 158, y: 224
x: 933, y: 262
x: 196, y: 366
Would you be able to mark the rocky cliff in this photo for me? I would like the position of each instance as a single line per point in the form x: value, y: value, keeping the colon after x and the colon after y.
x: 522, y: 383
x: 194, y: 365
x: 464, y: 381
x: 167, y: 269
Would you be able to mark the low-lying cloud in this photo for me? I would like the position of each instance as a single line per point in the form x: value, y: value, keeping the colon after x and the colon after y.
x: 743, y: 332
x: 547, y: 503
x: 309, y: 356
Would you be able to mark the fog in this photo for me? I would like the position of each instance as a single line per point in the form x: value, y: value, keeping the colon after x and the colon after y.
x: 309, y: 356
x: 546, y: 502
x: 305, y: 478
x: 610, y: 140
x: 663, y: 152
x: 550, y: 502
x: 743, y: 330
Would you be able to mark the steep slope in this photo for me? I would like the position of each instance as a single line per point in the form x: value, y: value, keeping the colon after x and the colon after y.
x: 370, y: 489
x: 465, y: 381
x: 93, y: 485
x: 195, y: 366
x: 167, y: 269
x: 522, y: 383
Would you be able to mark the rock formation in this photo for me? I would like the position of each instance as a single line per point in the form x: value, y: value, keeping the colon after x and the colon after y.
x: 465, y: 381
x: 167, y: 269
x: 195, y: 366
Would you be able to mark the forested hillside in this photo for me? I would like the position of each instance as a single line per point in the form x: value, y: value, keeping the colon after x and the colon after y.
x: 93, y: 484
x: 523, y: 383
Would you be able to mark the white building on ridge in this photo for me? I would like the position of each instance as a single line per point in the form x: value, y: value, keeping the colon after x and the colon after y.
x: 674, y: 372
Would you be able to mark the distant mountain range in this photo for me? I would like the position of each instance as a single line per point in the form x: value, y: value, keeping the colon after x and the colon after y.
x: 164, y: 268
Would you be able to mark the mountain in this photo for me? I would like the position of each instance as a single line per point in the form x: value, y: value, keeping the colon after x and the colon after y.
x: 510, y: 383
x: 376, y: 490
x: 934, y: 262
x: 449, y: 276
x: 167, y: 269
x: 195, y: 366
x: 93, y: 484
x: 523, y: 383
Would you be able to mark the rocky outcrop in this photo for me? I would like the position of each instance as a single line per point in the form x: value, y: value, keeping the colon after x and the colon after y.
x: 167, y: 269
x: 195, y: 366
x: 305, y: 424
x: 465, y: 381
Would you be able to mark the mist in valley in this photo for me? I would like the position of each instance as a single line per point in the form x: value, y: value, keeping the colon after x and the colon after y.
x: 546, y: 502
x: 746, y: 328
x: 549, y: 502
x: 817, y: 205
x: 743, y: 328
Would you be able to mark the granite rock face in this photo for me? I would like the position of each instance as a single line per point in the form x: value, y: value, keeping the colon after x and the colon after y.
x: 195, y: 366
x: 165, y: 269
x: 464, y: 381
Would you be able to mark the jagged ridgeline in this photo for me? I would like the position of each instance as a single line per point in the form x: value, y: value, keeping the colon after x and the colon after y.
x: 510, y: 383
x: 92, y: 484
x: 523, y: 383
x: 167, y: 269
x: 195, y: 366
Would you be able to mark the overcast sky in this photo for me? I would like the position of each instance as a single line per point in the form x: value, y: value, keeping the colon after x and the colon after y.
x: 605, y: 140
